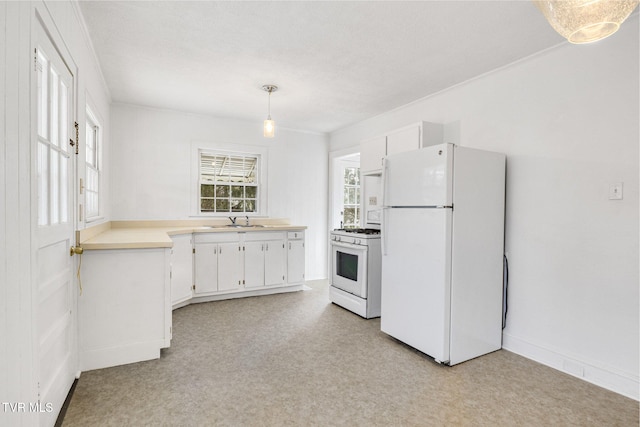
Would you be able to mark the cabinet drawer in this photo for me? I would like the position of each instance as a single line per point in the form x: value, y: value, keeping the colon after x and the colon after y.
x: 216, y: 237
x: 261, y: 236
x: 294, y: 235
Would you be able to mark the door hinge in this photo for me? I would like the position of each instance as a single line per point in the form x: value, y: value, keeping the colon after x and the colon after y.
x: 193, y: 287
x: 77, y: 136
x: 194, y: 250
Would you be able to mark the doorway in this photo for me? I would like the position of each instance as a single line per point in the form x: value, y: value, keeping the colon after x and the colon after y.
x: 345, y: 192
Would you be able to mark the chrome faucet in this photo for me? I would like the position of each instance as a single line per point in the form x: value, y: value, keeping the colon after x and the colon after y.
x: 247, y: 223
x: 233, y: 220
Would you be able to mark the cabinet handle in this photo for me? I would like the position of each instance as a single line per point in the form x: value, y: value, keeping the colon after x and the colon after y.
x: 289, y: 245
x: 267, y: 246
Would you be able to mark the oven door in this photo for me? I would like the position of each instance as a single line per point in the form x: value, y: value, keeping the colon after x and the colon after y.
x: 349, y: 268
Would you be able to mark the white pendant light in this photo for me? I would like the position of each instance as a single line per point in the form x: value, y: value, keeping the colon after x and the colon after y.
x: 269, y: 130
x: 586, y: 21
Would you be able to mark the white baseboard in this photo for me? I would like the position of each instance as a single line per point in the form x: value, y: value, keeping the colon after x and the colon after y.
x: 623, y: 383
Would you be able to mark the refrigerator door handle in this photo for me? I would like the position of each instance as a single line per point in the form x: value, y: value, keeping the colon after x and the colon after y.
x: 383, y: 240
x: 384, y: 181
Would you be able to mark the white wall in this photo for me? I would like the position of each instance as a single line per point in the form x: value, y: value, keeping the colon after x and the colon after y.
x: 152, y: 160
x: 18, y: 381
x: 568, y: 120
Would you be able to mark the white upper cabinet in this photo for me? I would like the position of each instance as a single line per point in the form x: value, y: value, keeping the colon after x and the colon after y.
x: 405, y: 139
x: 412, y: 137
x: 372, y: 151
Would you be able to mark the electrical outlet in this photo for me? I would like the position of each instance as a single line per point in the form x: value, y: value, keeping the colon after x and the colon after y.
x: 615, y: 191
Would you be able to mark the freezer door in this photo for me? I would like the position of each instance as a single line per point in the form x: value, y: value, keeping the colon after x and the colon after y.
x: 419, y: 178
x: 416, y: 270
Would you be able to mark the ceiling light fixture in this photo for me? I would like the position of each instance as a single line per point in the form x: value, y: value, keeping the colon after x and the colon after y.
x: 269, y: 130
x: 586, y: 21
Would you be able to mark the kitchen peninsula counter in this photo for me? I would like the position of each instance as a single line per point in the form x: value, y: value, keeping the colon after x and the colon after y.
x: 157, y: 234
x: 132, y: 274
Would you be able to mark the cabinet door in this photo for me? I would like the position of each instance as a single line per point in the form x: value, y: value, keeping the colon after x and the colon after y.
x: 274, y: 262
x: 254, y: 264
x: 229, y: 266
x: 181, y: 268
x: 372, y: 152
x: 295, y: 261
x: 403, y: 140
x: 206, y: 268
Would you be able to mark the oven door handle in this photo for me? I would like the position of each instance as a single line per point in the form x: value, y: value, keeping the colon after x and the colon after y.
x: 348, y: 245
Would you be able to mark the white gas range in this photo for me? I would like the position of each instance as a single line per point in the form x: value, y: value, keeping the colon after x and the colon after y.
x: 356, y: 270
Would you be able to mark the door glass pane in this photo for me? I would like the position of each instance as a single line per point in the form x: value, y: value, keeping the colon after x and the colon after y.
x: 43, y: 95
x: 64, y: 124
x: 64, y: 186
x: 55, y: 187
x: 55, y: 105
x: 43, y: 184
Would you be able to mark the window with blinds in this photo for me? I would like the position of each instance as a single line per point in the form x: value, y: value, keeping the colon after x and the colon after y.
x: 229, y: 183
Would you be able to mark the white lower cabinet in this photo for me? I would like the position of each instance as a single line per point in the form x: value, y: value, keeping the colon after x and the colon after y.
x: 253, y: 264
x: 265, y: 259
x: 181, y: 272
x: 227, y: 262
x: 217, y: 263
x: 295, y: 257
x: 230, y: 260
x: 275, y: 263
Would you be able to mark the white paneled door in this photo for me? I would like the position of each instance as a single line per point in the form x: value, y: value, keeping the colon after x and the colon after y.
x: 53, y: 299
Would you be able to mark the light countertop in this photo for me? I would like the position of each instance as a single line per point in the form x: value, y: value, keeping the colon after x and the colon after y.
x: 140, y: 235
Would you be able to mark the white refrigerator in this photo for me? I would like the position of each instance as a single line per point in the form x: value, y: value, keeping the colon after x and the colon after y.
x: 442, y: 251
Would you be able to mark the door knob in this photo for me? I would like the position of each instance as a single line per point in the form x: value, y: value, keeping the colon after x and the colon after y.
x: 75, y: 250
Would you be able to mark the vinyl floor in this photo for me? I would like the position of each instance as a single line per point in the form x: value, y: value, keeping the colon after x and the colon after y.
x: 297, y: 360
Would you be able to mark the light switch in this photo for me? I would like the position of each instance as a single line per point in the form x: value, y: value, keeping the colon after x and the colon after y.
x: 373, y: 201
x: 615, y: 191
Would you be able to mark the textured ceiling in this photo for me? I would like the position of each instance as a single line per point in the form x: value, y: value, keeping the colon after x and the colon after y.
x: 335, y: 63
